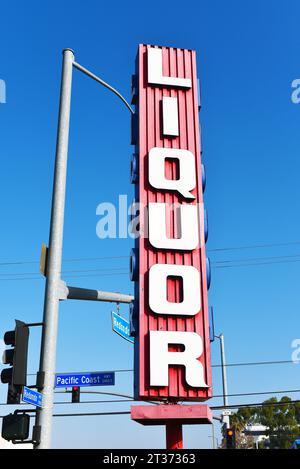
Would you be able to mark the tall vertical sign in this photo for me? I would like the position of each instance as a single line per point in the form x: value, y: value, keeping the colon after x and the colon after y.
x: 170, y: 315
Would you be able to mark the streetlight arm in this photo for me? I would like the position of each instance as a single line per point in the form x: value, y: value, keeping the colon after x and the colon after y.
x: 102, y: 82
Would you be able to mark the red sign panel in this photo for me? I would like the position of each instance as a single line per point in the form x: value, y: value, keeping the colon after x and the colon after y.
x: 172, y: 346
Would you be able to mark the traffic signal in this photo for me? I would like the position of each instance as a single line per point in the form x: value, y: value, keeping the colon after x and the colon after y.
x: 230, y: 438
x: 75, y: 394
x: 16, y: 375
x: 15, y: 427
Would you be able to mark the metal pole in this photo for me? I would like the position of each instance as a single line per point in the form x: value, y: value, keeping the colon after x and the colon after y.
x: 224, y: 379
x: 213, y: 435
x: 102, y: 82
x: 74, y: 293
x: 174, y: 439
x: 51, y: 302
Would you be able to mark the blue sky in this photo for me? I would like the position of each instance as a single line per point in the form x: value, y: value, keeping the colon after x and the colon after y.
x: 248, y: 56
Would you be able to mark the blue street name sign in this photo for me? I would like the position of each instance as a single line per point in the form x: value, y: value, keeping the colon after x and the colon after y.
x: 121, y: 327
x: 32, y: 397
x: 85, y: 379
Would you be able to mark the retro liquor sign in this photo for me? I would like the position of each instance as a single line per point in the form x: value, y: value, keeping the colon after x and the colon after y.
x: 169, y: 266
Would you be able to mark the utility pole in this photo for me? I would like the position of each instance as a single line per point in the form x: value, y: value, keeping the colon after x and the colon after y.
x: 226, y: 418
x: 51, y: 302
x: 213, y: 435
x: 56, y: 289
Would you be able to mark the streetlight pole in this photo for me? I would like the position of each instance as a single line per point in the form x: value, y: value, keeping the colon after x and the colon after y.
x: 50, y: 319
x: 226, y: 418
x: 213, y: 435
x: 45, y: 382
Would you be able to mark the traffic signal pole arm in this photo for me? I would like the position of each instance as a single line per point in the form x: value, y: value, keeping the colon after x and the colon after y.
x: 74, y: 293
x: 67, y: 292
x: 54, y: 255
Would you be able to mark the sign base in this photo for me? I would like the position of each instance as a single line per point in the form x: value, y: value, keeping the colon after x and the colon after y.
x: 173, y: 416
x: 166, y: 413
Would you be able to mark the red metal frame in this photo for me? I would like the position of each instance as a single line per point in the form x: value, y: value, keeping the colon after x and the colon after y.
x: 176, y: 63
x: 174, y: 438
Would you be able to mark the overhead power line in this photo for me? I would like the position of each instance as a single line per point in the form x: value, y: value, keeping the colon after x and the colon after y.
x: 254, y: 259
x: 253, y: 264
x: 131, y: 399
x: 114, y: 269
x: 78, y: 259
x: 258, y: 404
x: 127, y: 272
x: 91, y: 413
x: 255, y: 246
x: 127, y: 412
x: 119, y: 268
x: 109, y: 401
x: 69, y: 276
x: 258, y: 393
x: 130, y: 370
x: 272, y: 362
x: 123, y: 370
x: 229, y: 248
x: 287, y: 391
x: 83, y: 414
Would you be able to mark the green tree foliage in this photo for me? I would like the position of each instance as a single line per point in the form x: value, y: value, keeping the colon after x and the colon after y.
x: 239, y: 420
x: 282, y: 422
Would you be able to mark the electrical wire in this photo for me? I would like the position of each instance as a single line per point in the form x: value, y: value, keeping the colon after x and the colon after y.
x: 110, y: 274
x: 130, y: 370
x: 115, y: 269
x: 79, y: 372
x: 260, y: 393
x: 76, y: 259
x: 272, y: 362
x: 232, y: 248
x: 253, y: 264
x: 127, y: 272
x: 255, y: 259
x: 86, y: 414
x: 255, y: 246
x: 259, y: 404
x: 257, y: 393
x: 82, y: 414
x: 234, y: 406
x: 82, y: 402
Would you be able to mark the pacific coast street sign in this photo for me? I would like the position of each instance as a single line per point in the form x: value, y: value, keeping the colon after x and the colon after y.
x: 168, y: 264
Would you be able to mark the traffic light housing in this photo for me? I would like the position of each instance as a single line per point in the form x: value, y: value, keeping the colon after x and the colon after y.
x: 230, y: 438
x: 75, y: 394
x: 16, y: 375
x: 15, y: 427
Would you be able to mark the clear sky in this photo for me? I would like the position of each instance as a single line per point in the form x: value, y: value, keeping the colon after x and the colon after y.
x: 248, y: 56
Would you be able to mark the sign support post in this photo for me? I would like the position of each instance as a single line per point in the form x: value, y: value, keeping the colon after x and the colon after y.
x: 172, y: 416
x: 169, y: 266
x: 174, y: 439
